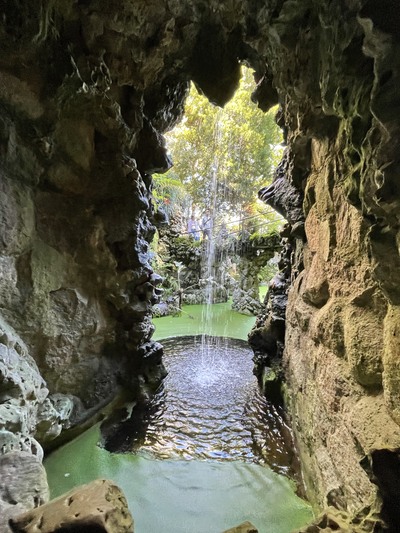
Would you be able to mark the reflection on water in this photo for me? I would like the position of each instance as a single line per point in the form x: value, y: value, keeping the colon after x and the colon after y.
x: 209, y: 407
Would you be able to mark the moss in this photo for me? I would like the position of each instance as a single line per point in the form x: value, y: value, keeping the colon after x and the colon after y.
x: 271, y: 382
x: 185, y: 242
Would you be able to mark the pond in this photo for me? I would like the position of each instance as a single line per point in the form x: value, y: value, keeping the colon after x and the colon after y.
x: 207, y: 453
x: 209, y: 407
x: 222, y: 322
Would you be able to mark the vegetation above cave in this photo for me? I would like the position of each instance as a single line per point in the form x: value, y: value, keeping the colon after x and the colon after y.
x: 221, y: 156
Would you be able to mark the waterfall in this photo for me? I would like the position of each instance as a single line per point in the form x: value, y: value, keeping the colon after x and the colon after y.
x: 210, y: 277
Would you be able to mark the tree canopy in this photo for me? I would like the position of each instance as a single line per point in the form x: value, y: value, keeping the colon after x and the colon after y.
x: 231, y: 151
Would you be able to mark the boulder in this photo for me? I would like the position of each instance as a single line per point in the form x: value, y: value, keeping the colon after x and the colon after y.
x: 97, y: 507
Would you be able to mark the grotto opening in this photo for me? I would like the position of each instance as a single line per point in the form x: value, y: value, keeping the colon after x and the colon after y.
x: 87, y: 88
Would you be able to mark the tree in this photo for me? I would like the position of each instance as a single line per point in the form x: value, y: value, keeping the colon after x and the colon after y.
x: 170, y: 195
x: 225, y: 156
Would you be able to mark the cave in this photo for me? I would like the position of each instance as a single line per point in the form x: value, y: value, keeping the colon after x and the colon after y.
x: 87, y: 89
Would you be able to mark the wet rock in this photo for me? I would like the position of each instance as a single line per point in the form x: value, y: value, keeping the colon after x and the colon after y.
x: 246, y: 527
x: 99, y: 506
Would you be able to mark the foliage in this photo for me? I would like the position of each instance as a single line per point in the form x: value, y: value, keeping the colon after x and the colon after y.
x: 171, y: 194
x: 185, y: 250
x: 186, y: 243
x: 169, y: 259
x: 222, y: 158
x: 232, y: 150
x: 264, y: 235
x: 268, y: 271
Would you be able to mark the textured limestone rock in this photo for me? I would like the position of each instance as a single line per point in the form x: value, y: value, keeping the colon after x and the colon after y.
x: 23, y: 485
x: 27, y: 415
x: 343, y: 299
x: 246, y: 527
x: 26, y: 410
x: 99, y: 506
x: 335, y: 356
x: 334, y: 520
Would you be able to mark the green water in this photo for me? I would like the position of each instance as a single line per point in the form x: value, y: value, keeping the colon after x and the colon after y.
x: 178, y: 496
x: 182, y: 496
x: 223, y: 323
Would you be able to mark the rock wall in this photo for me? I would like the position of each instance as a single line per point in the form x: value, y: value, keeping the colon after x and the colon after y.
x: 341, y: 122
x: 339, y: 354
x: 86, y: 89
x: 253, y: 254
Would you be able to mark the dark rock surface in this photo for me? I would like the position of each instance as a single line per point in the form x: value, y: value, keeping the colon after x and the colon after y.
x: 87, y: 89
x: 267, y: 338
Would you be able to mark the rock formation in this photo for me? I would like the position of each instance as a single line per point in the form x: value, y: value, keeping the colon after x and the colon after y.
x: 246, y: 527
x: 199, y: 271
x: 340, y: 335
x: 87, y: 87
x: 98, y: 507
x: 253, y: 254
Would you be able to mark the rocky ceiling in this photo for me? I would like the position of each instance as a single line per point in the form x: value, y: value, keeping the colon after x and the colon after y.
x: 87, y: 87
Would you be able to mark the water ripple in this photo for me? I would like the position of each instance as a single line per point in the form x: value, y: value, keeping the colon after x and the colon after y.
x: 209, y: 407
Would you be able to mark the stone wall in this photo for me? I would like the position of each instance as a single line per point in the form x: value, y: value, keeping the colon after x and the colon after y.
x: 86, y: 89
